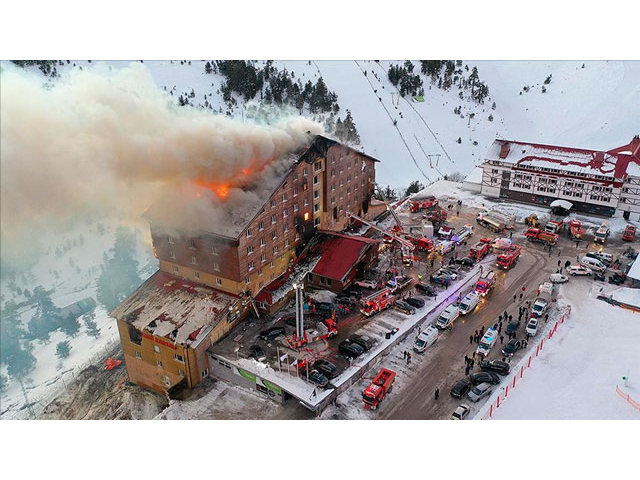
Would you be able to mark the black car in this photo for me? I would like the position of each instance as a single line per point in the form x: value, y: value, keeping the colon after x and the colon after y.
x: 271, y: 333
x: 426, y: 289
x: 257, y: 352
x: 441, y: 279
x: 326, y: 368
x: 617, y: 278
x: 365, y: 342
x: 324, y: 307
x: 346, y: 299
x: 415, y: 302
x: 350, y: 349
x: 460, y: 388
x: 484, y: 377
x: 464, y: 261
x: 512, y: 327
x: 512, y: 347
x: 497, y: 366
x: 318, y: 379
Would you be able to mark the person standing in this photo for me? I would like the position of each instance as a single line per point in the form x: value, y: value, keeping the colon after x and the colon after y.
x: 470, y: 339
x: 501, y: 339
x: 436, y: 394
x: 466, y: 370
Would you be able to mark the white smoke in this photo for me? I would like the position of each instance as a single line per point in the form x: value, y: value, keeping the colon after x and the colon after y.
x: 104, y: 142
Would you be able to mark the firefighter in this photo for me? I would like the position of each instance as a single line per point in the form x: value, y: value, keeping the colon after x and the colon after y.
x: 436, y: 394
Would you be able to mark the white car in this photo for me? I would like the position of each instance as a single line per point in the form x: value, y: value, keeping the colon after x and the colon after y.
x: 479, y: 391
x: 558, y: 278
x: 461, y: 412
x: 574, y: 270
x: 367, y: 284
x: 532, y: 327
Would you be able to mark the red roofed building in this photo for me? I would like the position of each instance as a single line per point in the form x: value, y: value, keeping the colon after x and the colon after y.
x: 342, y: 259
x: 595, y: 182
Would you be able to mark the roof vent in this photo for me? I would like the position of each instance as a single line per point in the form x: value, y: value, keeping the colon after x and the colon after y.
x: 504, y: 150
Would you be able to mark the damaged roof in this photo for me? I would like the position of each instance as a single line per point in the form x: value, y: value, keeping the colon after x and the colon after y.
x: 179, y: 310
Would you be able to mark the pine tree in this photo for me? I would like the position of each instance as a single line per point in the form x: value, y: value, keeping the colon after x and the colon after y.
x: 547, y: 81
x: 207, y: 67
x: 493, y: 106
x: 490, y: 118
x: 92, y: 326
x: 350, y: 128
x: 47, y: 318
x: 414, y: 187
x: 3, y: 383
x: 63, y: 349
x: 340, y: 131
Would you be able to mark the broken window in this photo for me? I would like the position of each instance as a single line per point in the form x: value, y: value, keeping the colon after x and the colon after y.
x: 135, y: 335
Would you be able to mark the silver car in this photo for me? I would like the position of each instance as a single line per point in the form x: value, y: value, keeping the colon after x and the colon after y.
x: 479, y: 391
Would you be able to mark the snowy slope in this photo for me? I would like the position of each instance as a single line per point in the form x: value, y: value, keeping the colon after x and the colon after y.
x: 576, y: 375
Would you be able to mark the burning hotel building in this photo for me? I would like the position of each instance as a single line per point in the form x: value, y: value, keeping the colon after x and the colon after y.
x: 208, y: 276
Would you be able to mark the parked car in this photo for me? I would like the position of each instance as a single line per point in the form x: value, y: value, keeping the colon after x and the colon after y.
x: 605, y: 258
x: 484, y: 377
x: 512, y: 347
x: 593, y: 264
x: 257, y: 353
x: 461, y: 412
x: 558, y: 278
x: 532, y: 327
x: 460, y: 388
x: 346, y: 299
x: 326, y: 367
x: 450, y: 273
x: 512, y: 327
x: 367, y: 284
x: 404, y: 307
x: 364, y: 341
x: 324, y: 307
x: 415, y: 302
x: 426, y: 289
x: 464, y: 261
x: 426, y: 338
x: 479, y: 391
x: 441, y: 279
x: 574, y: 270
x: 497, y: 366
x: 271, y: 333
x: 350, y: 349
x: 318, y: 379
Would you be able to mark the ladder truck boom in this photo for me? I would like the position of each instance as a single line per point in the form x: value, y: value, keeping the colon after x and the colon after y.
x: 405, y: 243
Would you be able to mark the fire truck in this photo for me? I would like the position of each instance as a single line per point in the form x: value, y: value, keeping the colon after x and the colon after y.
x: 376, y: 302
x: 445, y: 232
x: 629, y: 234
x: 425, y: 204
x: 554, y: 226
x: 509, y: 257
x: 381, y: 385
x: 575, y: 229
x: 423, y: 244
x: 486, y: 283
x: 463, y: 234
x: 480, y: 249
x: 537, y: 235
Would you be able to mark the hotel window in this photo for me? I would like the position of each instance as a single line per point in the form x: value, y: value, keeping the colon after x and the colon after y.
x: 192, y: 244
x: 274, y: 235
x: 139, y: 355
x: 260, y: 272
x: 315, y: 179
x: 273, y: 219
x: 295, y: 207
x: 295, y: 192
x: 333, y: 172
x: 178, y: 357
x: 261, y: 226
x: 181, y: 373
x: 159, y: 363
x: 306, y: 201
x: 271, y: 265
x: 286, y: 228
x: 247, y: 281
x: 205, y: 372
x: 262, y: 242
x: 286, y: 243
x: 219, y: 281
x: 170, y: 240
x: 275, y: 250
x: 316, y: 194
x: 348, y: 178
x: 316, y: 208
x: 295, y: 175
x: 248, y: 233
x: 285, y: 213
x: 156, y: 348
x: 216, y: 266
x: 196, y: 274
x: 304, y: 172
x: 273, y: 203
x: 250, y: 266
x: 172, y: 255
x: 284, y: 197
x: 167, y: 380
x: 194, y: 261
x: 176, y: 270
x: 214, y: 251
x: 249, y: 250
x: 317, y: 166
x: 316, y: 222
x: 263, y: 258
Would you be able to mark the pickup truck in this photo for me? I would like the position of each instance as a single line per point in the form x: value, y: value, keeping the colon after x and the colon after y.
x: 541, y: 305
x: 381, y: 385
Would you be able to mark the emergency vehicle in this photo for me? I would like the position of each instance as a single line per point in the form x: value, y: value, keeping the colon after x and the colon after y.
x: 376, y: 302
x: 509, y: 257
x: 381, y: 385
x: 541, y: 236
x: 486, y: 283
x: 479, y: 250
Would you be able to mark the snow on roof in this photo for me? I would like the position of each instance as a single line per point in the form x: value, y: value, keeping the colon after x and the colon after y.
x: 339, y: 254
x: 168, y: 306
x: 562, y: 158
x: 628, y: 296
x: 475, y: 176
x: 634, y: 271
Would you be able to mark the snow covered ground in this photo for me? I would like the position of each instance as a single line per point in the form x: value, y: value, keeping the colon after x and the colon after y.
x: 576, y: 375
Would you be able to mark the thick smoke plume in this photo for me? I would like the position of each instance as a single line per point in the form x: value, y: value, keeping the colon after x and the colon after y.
x: 105, y: 142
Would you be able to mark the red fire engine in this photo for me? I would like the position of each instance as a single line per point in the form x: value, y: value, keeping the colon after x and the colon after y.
x: 376, y: 302
x: 537, y: 235
x: 480, y: 249
x: 486, y: 283
x: 509, y: 257
x: 576, y: 230
x: 629, y: 234
x: 417, y: 205
x: 381, y: 385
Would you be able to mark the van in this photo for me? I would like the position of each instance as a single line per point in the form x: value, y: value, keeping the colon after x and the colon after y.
x: 447, y: 317
x: 593, y: 264
x: 425, y: 339
x: 469, y: 303
x: 605, y: 258
x: 487, y: 342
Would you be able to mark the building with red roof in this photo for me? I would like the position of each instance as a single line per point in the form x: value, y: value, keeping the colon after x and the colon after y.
x: 595, y: 182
